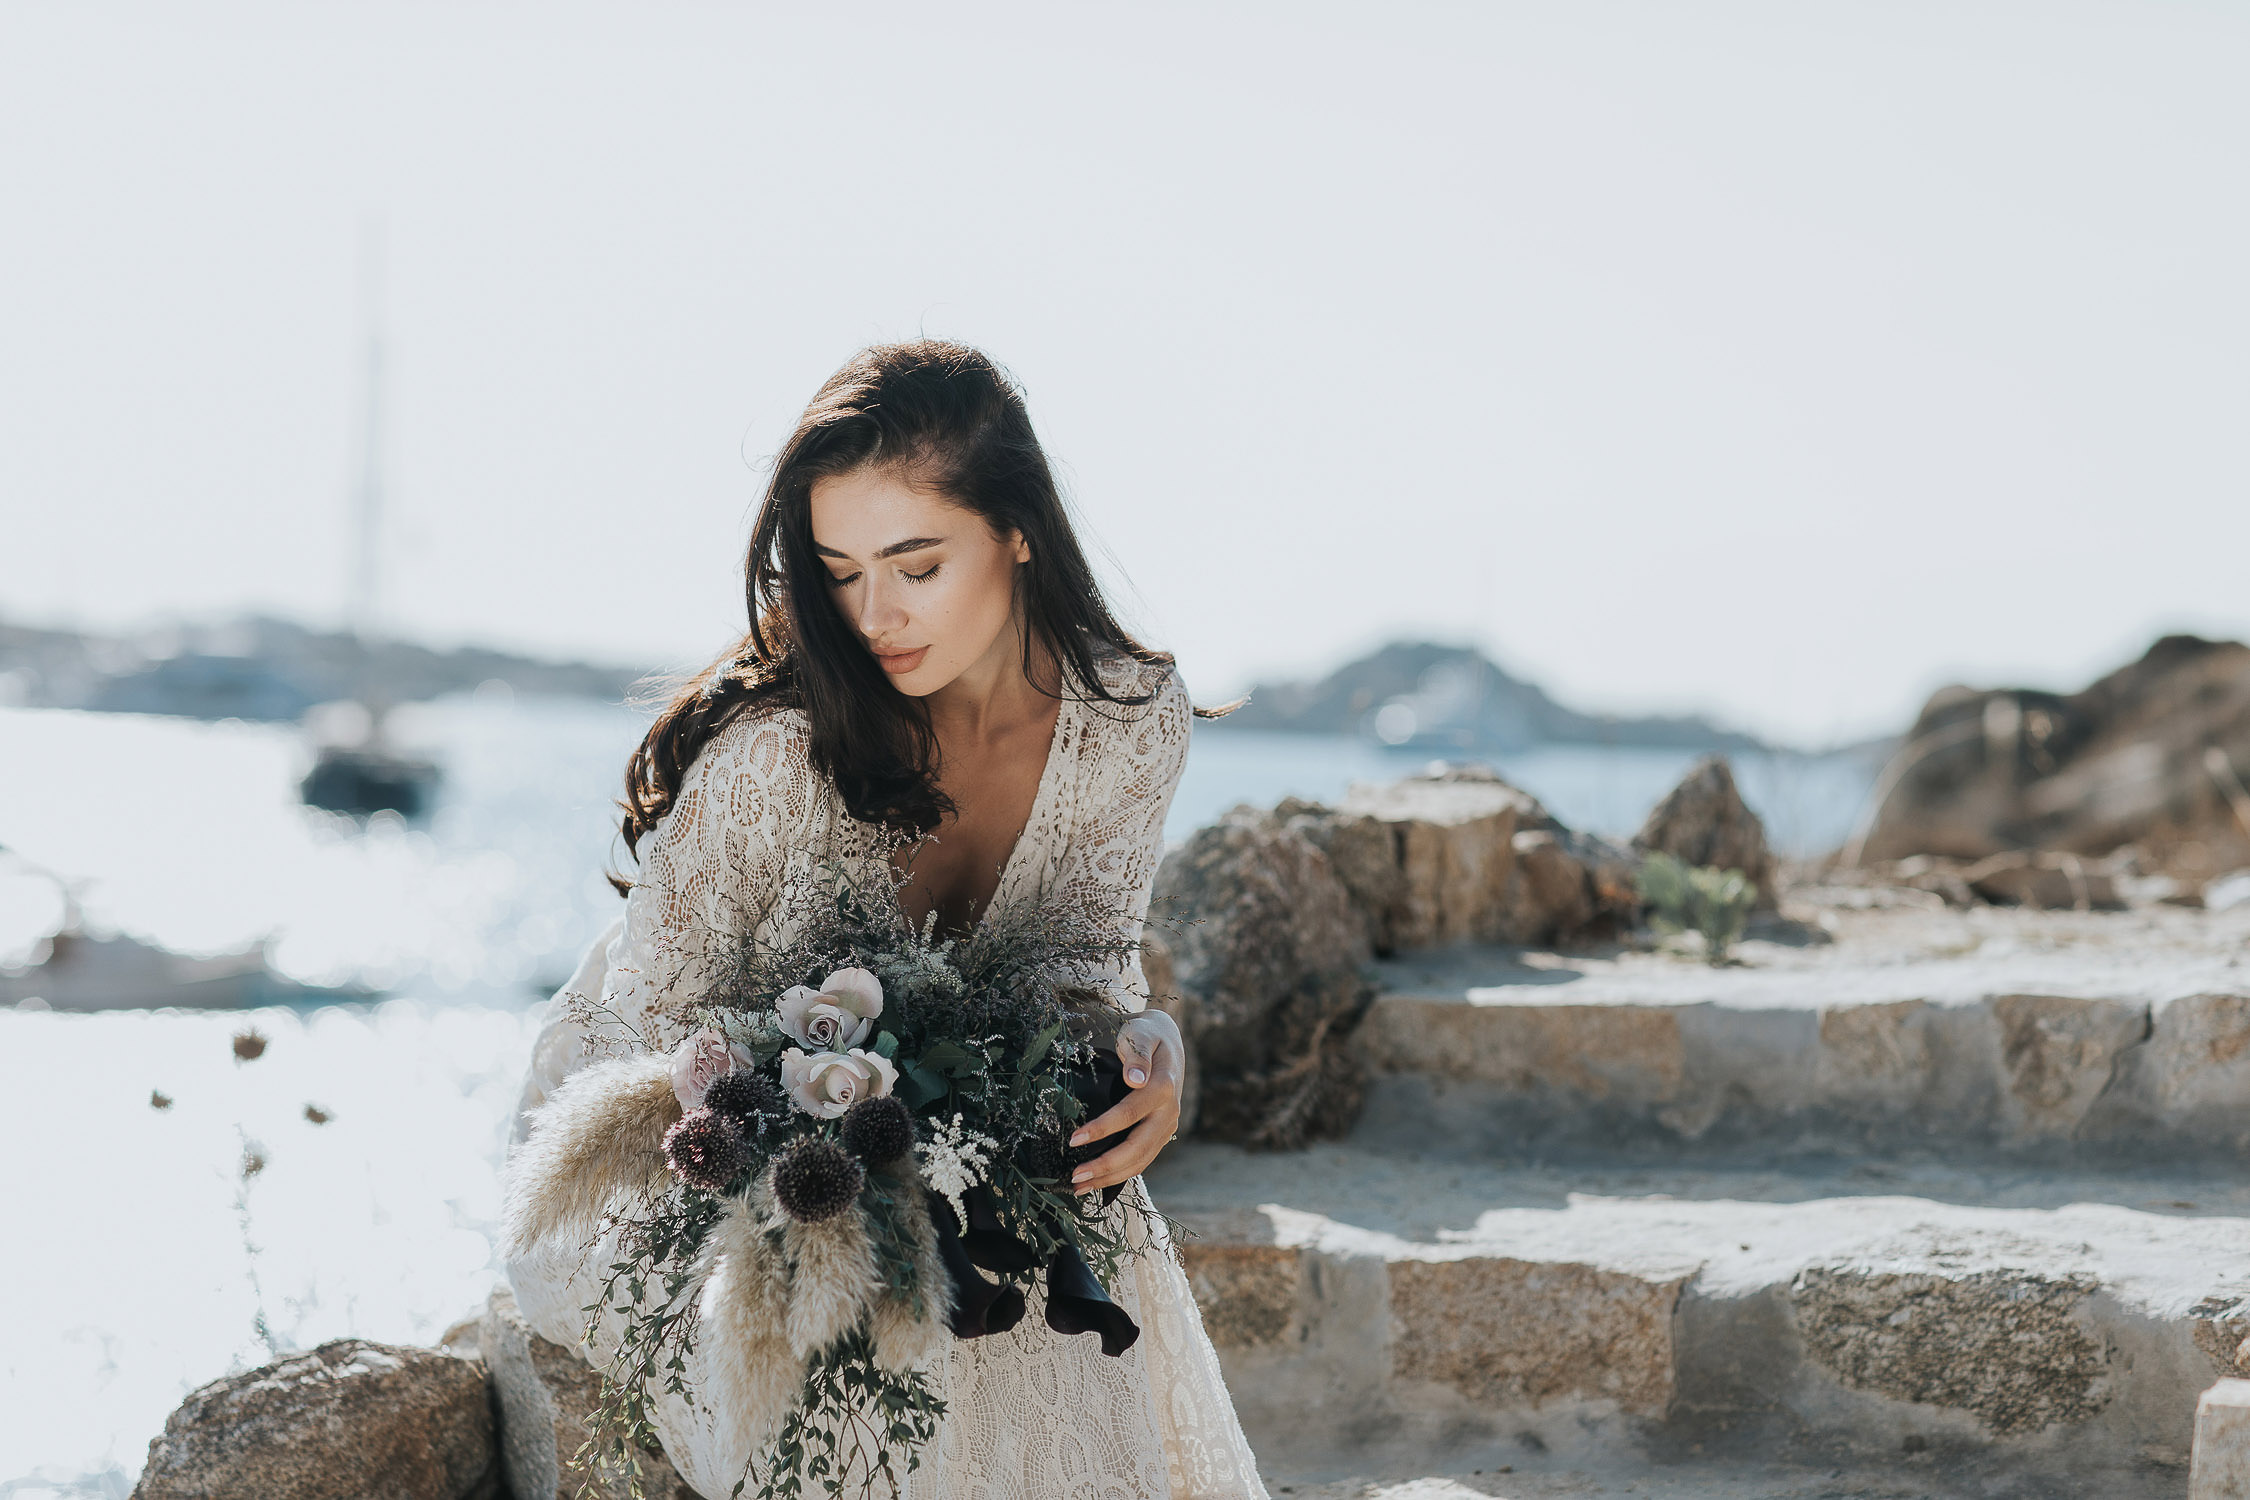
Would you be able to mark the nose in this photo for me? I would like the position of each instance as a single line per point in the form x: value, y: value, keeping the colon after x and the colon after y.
x: 880, y: 612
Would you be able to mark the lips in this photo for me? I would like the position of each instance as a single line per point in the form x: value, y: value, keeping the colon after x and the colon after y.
x: 899, y: 663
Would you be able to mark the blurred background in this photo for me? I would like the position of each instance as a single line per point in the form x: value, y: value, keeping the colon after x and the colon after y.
x: 1574, y: 388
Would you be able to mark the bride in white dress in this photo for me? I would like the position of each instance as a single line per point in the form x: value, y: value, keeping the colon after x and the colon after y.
x: 929, y: 653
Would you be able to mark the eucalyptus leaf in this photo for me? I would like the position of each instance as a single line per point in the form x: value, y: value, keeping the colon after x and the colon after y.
x: 947, y: 1057
x: 918, y: 1086
x: 1038, y: 1048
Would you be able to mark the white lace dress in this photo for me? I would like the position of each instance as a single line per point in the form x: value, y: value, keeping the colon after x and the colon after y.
x: 1030, y: 1414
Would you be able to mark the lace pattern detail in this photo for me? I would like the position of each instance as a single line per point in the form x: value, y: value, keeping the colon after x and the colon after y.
x: 1031, y: 1415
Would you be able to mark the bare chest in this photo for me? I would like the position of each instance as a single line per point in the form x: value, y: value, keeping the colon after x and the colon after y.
x: 994, y: 789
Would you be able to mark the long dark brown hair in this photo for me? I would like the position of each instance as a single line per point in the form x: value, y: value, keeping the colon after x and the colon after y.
x: 953, y: 422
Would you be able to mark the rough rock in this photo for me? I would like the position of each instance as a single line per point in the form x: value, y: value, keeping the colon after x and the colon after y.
x: 2153, y: 756
x: 1570, y: 887
x: 1452, y: 834
x: 1363, y: 851
x: 2222, y: 1332
x: 2192, y: 1078
x: 2221, y: 1469
x: 1704, y: 821
x: 2010, y: 1347
x: 2050, y: 882
x: 350, y: 1420
x: 1457, y: 855
x: 2029, y: 878
x: 1505, y: 1332
x: 2059, y: 1054
x: 1550, y: 890
x: 1248, y: 1292
x: 1266, y: 953
x: 1597, y: 1052
x: 545, y: 1394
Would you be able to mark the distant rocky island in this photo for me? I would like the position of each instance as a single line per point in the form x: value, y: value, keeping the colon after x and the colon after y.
x: 264, y: 669
x: 1422, y: 695
x: 1416, y: 695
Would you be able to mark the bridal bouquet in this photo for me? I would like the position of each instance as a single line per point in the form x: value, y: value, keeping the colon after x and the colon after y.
x: 812, y: 1185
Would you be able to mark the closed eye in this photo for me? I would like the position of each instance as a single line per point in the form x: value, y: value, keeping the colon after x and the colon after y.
x: 922, y: 577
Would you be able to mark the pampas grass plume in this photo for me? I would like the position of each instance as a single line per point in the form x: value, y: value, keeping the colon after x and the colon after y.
x: 598, y: 1137
x: 902, y: 1340
x: 753, y: 1375
x: 832, y: 1280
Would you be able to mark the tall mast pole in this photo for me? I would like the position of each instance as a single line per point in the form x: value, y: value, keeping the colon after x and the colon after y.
x: 367, y: 498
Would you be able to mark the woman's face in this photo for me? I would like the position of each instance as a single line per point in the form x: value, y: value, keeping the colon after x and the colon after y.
x: 927, y: 586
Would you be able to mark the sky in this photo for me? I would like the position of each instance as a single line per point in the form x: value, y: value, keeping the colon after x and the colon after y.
x: 1780, y: 361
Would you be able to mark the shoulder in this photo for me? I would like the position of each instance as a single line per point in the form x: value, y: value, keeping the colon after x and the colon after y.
x: 755, y: 770
x: 1128, y: 676
x: 1158, y: 724
x: 759, y: 741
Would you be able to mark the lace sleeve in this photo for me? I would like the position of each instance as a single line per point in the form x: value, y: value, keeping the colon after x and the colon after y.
x: 711, y: 870
x: 1111, y: 862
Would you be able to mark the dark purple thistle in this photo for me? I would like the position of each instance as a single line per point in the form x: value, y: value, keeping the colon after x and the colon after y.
x: 878, y: 1130
x: 816, y: 1180
x: 752, y: 1100
x: 706, y: 1150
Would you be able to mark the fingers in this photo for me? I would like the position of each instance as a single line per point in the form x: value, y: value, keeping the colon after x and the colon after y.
x: 1149, y: 1114
x: 1137, y: 1050
x: 1123, y: 1161
x: 1147, y: 1048
x: 1134, y: 1106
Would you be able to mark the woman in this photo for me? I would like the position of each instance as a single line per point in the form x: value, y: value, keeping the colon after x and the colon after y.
x: 928, y: 654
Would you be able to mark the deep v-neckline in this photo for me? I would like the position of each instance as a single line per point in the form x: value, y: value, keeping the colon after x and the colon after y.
x: 1042, y: 798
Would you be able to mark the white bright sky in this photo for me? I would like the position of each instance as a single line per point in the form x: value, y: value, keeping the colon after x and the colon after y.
x: 1779, y: 360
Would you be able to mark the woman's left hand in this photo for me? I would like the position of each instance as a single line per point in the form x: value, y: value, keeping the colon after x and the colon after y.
x: 1154, y: 1056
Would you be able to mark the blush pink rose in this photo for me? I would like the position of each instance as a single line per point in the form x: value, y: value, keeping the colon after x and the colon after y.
x: 837, y: 1016
x: 825, y: 1084
x: 697, y: 1063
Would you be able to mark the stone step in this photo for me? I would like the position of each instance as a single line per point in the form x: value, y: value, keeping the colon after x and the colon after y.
x: 2020, y: 1330
x: 2055, y: 1049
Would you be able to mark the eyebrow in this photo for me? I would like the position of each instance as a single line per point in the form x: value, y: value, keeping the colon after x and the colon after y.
x: 895, y: 549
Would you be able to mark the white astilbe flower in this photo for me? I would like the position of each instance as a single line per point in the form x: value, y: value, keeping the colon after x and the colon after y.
x: 953, y: 1161
x: 754, y: 1031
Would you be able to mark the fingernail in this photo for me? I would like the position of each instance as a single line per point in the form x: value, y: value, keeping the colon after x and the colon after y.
x: 1135, y: 1075
x: 1078, y: 1139
x: 1081, y: 1174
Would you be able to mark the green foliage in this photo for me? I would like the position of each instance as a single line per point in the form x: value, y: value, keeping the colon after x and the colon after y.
x: 660, y: 1241
x: 1697, y: 898
x: 850, y: 1425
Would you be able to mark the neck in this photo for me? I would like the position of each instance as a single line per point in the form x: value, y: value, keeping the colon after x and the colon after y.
x: 992, y: 696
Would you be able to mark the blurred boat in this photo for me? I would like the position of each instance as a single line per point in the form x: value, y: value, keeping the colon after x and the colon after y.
x: 366, y: 779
